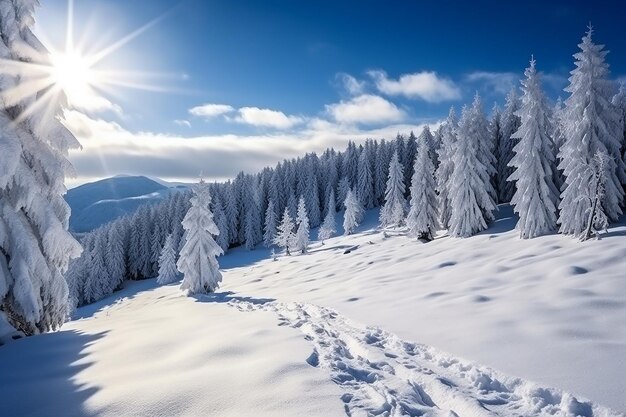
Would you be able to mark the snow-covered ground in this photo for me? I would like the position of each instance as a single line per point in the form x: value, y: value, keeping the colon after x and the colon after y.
x: 358, y: 333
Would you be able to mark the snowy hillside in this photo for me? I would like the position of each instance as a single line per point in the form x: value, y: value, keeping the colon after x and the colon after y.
x: 100, y: 202
x: 359, y: 326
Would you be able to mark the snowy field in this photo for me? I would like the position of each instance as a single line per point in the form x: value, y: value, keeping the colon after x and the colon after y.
x: 359, y: 333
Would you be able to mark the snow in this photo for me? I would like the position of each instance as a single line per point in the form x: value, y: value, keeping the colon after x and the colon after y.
x: 331, y: 333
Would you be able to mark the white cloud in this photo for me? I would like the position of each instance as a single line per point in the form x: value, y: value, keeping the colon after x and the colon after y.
x: 350, y: 84
x: 365, y: 109
x: 110, y: 149
x: 426, y: 85
x: 255, y: 116
x: 185, y: 123
x: 211, y: 110
x: 500, y: 82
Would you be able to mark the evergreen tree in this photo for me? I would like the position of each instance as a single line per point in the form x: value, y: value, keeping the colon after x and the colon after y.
x: 381, y: 166
x: 365, y: 182
x: 342, y: 190
x: 167, y: 263
x: 619, y: 101
x: 446, y: 167
x: 301, y: 241
x: 422, y: 219
x: 558, y: 138
x: 284, y: 235
x: 510, y: 122
x: 410, y: 151
x: 270, y: 225
x: 428, y: 140
x: 469, y: 184
x: 592, y: 125
x: 198, y: 257
x: 393, y: 212
x: 495, y: 130
x: 328, y: 228
x: 535, y: 197
x: 35, y: 246
x: 222, y: 224
x: 479, y: 128
x: 597, y: 173
x: 353, y: 214
x: 115, y: 259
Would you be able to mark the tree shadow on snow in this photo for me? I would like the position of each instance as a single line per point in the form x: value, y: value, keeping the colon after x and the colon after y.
x: 39, y: 375
x: 229, y: 297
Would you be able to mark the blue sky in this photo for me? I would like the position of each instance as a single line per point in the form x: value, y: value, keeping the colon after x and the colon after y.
x: 283, y: 77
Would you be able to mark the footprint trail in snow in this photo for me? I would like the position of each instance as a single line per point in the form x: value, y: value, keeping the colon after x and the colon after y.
x: 382, y: 375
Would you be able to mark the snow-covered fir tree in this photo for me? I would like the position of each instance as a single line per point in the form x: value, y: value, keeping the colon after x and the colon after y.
x: 221, y: 222
x: 167, y: 263
x: 115, y: 259
x: 393, y: 212
x: 470, y: 183
x: 35, y: 246
x: 592, y: 125
x: 558, y: 138
x: 422, y: 219
x: 619, y: 101
x: 198, y: 257
x: 284, y: 234
x: 597, y: 175
x: 495, y: 131
x: 342, y: 190
x: 479, y: 130
x: 301, y: 240
x: 269, y: 231
x: 536, y: 197
x: 329, y: 226
x: 510, y: 123
x: 446, y: 167
x: 353, y: 215
x: 365, y: 181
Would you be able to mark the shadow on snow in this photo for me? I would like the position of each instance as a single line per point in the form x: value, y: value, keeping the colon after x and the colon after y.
x: 39, y: 375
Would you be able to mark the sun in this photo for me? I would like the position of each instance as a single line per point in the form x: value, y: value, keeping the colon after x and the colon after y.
x: 73, y: 73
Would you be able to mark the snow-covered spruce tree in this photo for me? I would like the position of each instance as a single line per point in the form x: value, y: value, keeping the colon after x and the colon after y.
x: 495, y: 131
x: 329, y: 226
x: 115, y: 259
x: 446, y: 166
x: 198, y: 257
x: 510, y: 123
x: 427, y: 138
x: 619, y: 101
x: 35, y: 246
x: 422, y: 219
x: 558, y: 138
x: 393, y: 212
x: 592, y: 125
x: 269, y: 230
x: 381, y: 167
x: 597, y: 173
x: 535, y: 197
x: 365, y: 182
x: 301, y: 241
x: 342, y: 191
x: 284, y: 234
x: 353, y: 215
x: 479, y: 130
x: 222, y: 224
x: 167, y: 263
x: 469, y: 183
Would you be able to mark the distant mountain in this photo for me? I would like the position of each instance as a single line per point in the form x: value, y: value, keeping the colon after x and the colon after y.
x: 100, y: 202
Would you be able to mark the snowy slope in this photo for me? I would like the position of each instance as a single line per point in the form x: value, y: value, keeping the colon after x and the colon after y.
x: 335, y: 333
x: 100, y: 202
